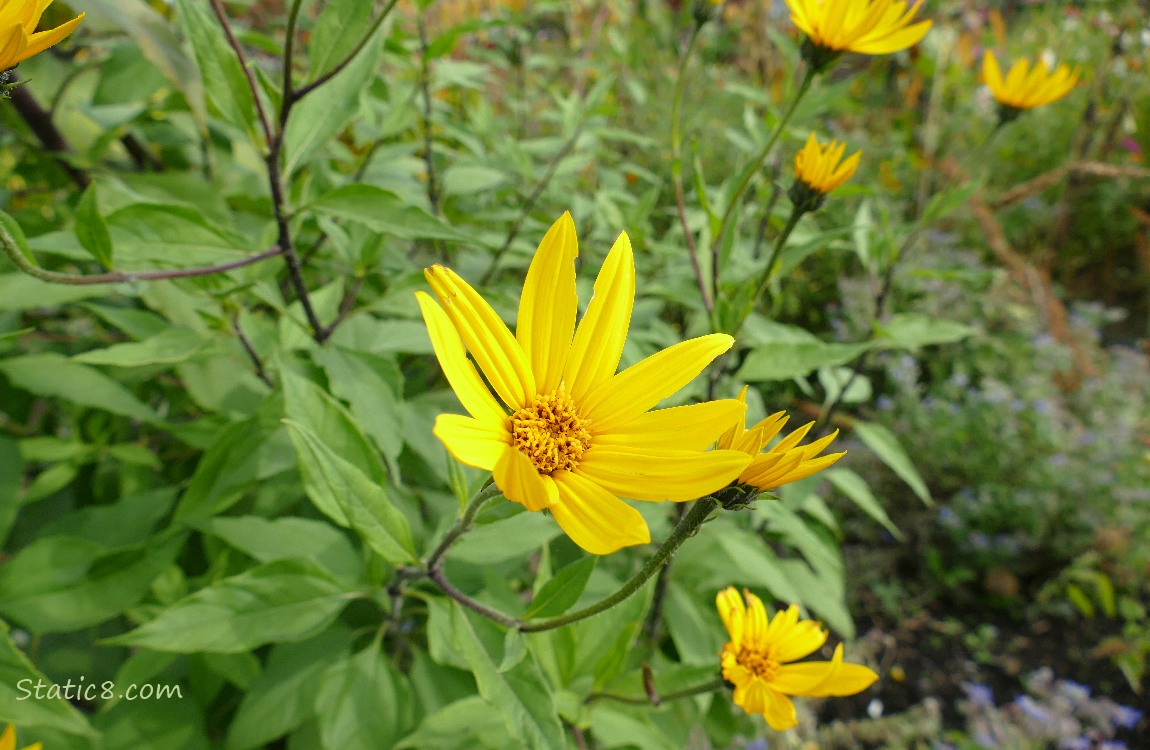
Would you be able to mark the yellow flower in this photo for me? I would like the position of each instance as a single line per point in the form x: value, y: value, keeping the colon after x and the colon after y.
x: 8, y: 740
x: 785, y: 462
x: 1025, y: 87
x: 819, y: 166
x: 755, y: 660
x: 871, y: 27
x: 19, y: 39
x: 575, y: 436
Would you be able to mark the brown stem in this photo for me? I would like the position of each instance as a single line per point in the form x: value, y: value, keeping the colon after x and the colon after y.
x: 265, y: 123
x: 39, y: 121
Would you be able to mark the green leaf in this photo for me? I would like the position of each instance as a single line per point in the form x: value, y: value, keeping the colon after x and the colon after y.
x: 61, y: 583
x: 171, y: 235
x: 469, y: 179
x: 886, y: 446
x: 521, y: 694
x: 345, y: 493
x: 756, y: 564
x: 284, y: 695
x: 171, y: 722
x: 338, y: 29
x: 858, y: 491
x: 367, y: 382
x: 382, y: 211
x: 363, y: 704
x: 285, y: 600
x: 455, y: 727
x: 915, y: 330
x: 946, y: 202
x: 285, y: 538
x: 783, y: 360
x: 91, y: 230
x: 19, y: 291
x: 692, y: 627
x: 226, y: 85
x: 171, y: 346
x: 327, y: 110
x: 506, y: 539
x: 563, y: 590
x: 54, y: 376
x: 18, y: 704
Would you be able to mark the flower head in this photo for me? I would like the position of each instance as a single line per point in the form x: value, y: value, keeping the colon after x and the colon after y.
x: 756, y: 660
x: 1026, y: 87
x: 785, y: 462
x: 8, y: 740
x: 19, y: 39
x: 820, y: 169
x: 571, y: 436
x: 870, y: 27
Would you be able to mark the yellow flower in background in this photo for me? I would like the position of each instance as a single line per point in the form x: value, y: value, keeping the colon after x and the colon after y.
x: 8, y: 740
x: 870, y: 27
x: 822, y: 168
x: 571, y: 436
x: 19, y: 39
x: 1026, y: 87
x: 785, y: 462
x: 756, y: 660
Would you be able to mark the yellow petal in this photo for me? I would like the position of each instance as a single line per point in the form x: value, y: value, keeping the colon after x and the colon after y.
x: 494, y: 348
x: 461, y: 374
x: 641, y: 386
x: 598, y: 343
x: 820, y: 679
x: 471, y: 441
x: 731, y: 611
x: 690, y: 428
x: 43, y: 40
x: 991, y: 73
x: 735, y: 433
x: 12, y: 43
x: 659, y: 475
x: 595, y: 519
x: 548, y: 306
x: 779, y: 711
x: 800, y: 640
x: 8, y: 739
x: 518, y: 480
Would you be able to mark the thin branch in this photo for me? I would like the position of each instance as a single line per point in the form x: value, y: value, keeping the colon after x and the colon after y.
x: 261, y: 373
x: 306, y: 89
x: 425, y: 87
x: 16, y: 255
x: 265, y: 123
x: 39, y: 121
x: 529, y: 204
x: 440, y: 579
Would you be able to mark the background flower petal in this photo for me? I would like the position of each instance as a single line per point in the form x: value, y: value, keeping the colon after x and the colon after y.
x: 675, y: 475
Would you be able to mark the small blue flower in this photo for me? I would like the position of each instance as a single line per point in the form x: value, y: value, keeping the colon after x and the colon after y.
x: 1031, y: 708
x: 1126, y: 717
x: 980, y: 695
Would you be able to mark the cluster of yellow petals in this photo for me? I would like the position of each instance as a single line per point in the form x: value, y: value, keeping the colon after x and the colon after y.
x: 786, y: 461
x: 563, y: 432
x: 757, y: 660
x: 870, y: 27
x: 19, y: 39
x: 8, y: 740
x: 822, y: 168
x: 1026, y: 86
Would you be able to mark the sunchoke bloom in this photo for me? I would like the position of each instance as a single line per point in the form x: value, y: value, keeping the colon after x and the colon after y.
x: 571, y: 436
x: 870, y: 27
x: 8, y: 740
x: 785, y: 462
x: 1026, y: 87
x: 820, y: 169
x: 756, y: 660
x: 19, y: 39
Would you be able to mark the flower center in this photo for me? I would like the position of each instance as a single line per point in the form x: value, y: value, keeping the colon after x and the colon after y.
x: 759, y: 662
x: 550, y: 432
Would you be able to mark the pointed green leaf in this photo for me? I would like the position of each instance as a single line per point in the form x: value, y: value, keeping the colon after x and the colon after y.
x: 886, y: 446
x: 563, y: 590
x: 91, y: 229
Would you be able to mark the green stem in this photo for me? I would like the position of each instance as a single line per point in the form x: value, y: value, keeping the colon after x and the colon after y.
x: 756, y: 165
x: 684, y: 530
x: 706, y: 687
x: 306, y: 89
x: 677, y: 167
x: 477, y: 503
x: 765, y: 279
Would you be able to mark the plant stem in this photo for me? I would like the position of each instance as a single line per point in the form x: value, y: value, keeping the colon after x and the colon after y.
x: 755, y: 166
x: 683, y: 531
x: 306, y: 89
x: 16, y: 255
x: 39, y: 121
x: 477, y: 503
x: 677, y: 167
x: 765, y: 278
x: 706, y: 687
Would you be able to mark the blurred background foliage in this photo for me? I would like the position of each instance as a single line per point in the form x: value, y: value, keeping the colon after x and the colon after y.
x: 972, y: 310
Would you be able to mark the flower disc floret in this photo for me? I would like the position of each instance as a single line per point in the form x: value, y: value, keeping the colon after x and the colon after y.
x: 757, y: 660
x: 19, y: 39
x: 559, y: 429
